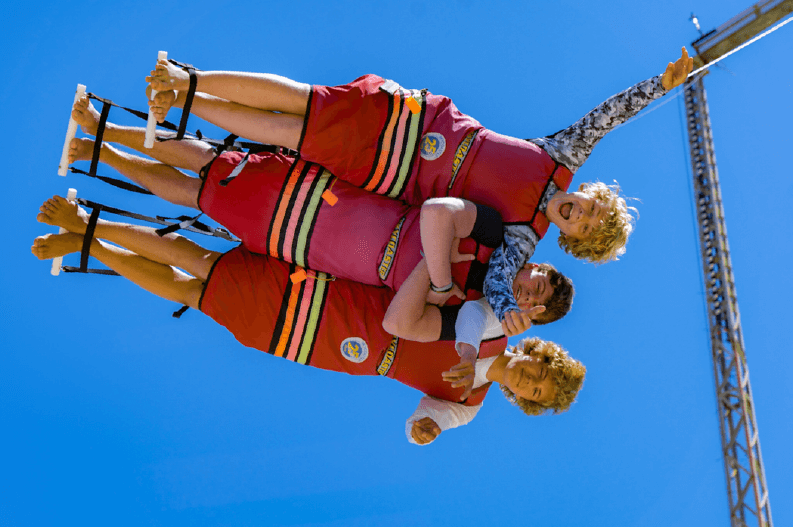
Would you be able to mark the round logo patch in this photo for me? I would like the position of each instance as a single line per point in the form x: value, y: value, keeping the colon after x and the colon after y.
x: 432, y: 146
x: 354, y: 349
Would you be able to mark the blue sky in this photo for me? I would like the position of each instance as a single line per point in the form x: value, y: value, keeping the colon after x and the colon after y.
x: 113, y: 412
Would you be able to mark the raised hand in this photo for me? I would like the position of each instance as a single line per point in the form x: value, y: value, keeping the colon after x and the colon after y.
x: 676, y: 72
x: 461, y: 375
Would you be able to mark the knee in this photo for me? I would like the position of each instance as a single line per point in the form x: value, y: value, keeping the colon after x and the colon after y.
x: 191, y: 291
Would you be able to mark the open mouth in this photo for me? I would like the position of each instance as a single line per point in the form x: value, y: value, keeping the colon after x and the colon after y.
x: 565, y: 209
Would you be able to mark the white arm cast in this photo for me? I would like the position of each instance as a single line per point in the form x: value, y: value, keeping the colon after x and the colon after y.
x: 445, y: 413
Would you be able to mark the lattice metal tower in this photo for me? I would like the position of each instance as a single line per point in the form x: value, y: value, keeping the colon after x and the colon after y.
x: 743, y: 464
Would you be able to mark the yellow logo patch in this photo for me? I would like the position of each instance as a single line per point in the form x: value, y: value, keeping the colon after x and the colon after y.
x: 460, y: 155
x: 388, y: 358
x: 390, y: 250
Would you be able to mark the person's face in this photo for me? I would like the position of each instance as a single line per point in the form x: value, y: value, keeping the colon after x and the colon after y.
x: 531, y: 288
x: 576, y: 214
x: 529, y: 377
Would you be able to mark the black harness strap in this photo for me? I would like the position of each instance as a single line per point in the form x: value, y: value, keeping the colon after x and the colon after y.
x: 88, y: 237
x: 100, y: 132
x: 197, y: 226
x: 112, y: 181
x: 145, y: 116
x: 227, y: 144
x: 188, y: 102
x: 236, y: 172
x: 185, y: 222
x: 178, y: 313
x: 71, y: 269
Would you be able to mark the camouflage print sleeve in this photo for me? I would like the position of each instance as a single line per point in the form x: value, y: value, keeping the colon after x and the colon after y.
x: 573, y: 145
x: 504, y: 264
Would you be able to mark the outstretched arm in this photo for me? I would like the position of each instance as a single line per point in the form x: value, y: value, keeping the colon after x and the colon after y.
x: 505, y: 262
x: 573, y: 145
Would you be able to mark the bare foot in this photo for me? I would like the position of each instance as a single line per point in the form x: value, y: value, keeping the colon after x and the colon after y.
x: 162, y: 103
x: 165, y: 76
x: 86, y: 115
x: 80, y: 149
x: 54, y: 245
x: 60, y: 212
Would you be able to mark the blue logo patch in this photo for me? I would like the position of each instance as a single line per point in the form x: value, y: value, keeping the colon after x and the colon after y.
x: 354, y: 349
x: 432, y: 146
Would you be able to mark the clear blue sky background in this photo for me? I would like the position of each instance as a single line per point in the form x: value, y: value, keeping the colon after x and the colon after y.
x: 114, y: 413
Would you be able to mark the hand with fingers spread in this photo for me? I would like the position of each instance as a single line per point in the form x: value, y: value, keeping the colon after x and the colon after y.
x: 676, y: 72
x: 516, y: 322
x: 425, y: 431
x: 462, y: 374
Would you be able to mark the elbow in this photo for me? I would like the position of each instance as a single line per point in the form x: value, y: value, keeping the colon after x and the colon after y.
x: 403, y: 329
x: 394, y: 327
x: 435, y: 210
x: 390, y: 325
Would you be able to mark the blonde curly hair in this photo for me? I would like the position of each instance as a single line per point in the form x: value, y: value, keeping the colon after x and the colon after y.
x: 607, y: 242
x: 567, y: 373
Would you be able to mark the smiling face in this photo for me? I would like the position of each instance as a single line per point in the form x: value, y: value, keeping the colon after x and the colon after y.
x: 529, y: 377
x: 576, y: 214
x: 531, y: 288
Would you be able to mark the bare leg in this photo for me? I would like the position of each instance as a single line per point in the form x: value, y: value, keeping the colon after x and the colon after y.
x: 163, y: 180
x: 190, y: 155
x: 263, y: 107
x: 162, y: 280
x: 283, y: 129
x: 169, y: 250
x: 256, y: 90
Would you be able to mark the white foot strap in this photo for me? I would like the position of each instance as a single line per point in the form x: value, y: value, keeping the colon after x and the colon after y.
x: 70, y: 133
x: 56, y: 262
x: 151, y: 124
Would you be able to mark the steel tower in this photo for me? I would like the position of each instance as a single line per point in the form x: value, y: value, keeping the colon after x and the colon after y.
x: 740, y: 441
